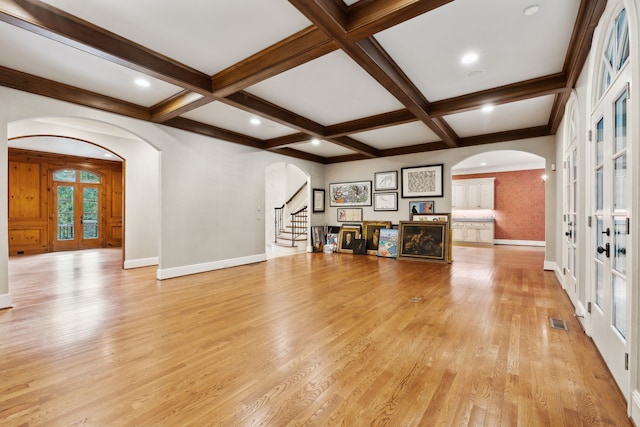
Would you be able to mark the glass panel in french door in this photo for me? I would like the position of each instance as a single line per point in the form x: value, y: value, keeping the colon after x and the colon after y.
x: 90, y: 212
x: 65, y: 212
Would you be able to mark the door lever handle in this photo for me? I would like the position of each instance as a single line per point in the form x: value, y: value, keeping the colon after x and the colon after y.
x: 605, y: 250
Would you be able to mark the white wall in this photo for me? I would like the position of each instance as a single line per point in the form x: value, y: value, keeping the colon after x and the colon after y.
x: 209, y: 190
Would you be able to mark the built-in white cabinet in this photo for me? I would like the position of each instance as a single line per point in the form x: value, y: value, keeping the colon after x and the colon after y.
x: 473, y: 193
x: 473, y: 231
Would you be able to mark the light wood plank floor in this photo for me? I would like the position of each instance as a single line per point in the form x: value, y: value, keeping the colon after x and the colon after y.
x: 309, y: 339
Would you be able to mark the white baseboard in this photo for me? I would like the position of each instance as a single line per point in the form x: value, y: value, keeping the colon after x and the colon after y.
x: 5, y: 301
x: 168, y: 273
x: 142, y: 262
x: 519, y: 242
x: 552, y: 266
x: 635, y: 407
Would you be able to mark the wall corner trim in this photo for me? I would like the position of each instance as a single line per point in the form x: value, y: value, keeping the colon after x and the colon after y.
x: 5, y: 301
x: 635, y: 406
x: 169, y: 273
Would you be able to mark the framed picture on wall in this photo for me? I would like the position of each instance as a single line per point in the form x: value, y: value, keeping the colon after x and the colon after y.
x: 350, y: 193
x: 318, y: 200
x: 422, y: 207
x: 385, y: 181
x: 385, y: 201
x: 349, y: 214
x: 422, y: 181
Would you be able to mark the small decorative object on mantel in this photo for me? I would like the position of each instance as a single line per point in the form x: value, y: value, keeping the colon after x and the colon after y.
x: 422, y: 181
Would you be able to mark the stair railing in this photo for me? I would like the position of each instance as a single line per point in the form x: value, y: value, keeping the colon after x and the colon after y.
x: 296, y: 231
x: 279, y: 222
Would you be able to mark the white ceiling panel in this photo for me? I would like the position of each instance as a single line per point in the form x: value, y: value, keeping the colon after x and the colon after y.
x: 497, y: 161
x: 227, y: 117
x: 206, y: 35
x: 512, y: 46
x: 397, y: 136
x: 329, y: 90
x: 324, y: 149
x: 33, y: 54
x: 516, y: 115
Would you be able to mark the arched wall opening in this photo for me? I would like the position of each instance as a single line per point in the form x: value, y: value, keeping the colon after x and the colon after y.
x: 141, y: 172
x: 519, y: 181
x: 284, y: 182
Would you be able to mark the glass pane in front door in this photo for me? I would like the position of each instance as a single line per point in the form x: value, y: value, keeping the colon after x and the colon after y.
x: 90, y: 212
x: 65, y: 212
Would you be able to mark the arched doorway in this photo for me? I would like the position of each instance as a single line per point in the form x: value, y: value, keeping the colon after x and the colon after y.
x: 287, y: 191
x: 515, y: 213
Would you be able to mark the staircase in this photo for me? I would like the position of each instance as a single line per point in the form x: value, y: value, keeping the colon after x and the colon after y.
x: 292, y: 222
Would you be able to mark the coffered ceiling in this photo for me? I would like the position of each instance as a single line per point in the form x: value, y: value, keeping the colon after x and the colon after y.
x: 366, y: 79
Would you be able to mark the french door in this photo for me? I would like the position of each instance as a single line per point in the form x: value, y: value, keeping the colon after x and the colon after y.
x: 77, y: 212
x: 570, y: 221
x: 610, y: 322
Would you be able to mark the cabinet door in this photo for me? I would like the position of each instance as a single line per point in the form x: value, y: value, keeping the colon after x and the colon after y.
x: 485, y: 235
x: 473, y: 196
x: 485, y: 195
x: 457, y: 233
x: 470, y: 234
x: 459, y: 199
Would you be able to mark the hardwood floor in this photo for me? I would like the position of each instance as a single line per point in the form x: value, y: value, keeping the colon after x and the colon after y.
x: 310, y: 339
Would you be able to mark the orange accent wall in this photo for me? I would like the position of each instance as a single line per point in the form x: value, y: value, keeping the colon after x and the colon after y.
x: 519, y: 204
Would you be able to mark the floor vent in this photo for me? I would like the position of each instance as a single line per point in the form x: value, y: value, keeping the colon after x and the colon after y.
x: 559, y: 324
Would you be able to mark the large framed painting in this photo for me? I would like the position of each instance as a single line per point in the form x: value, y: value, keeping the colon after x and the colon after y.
x: 350, y: 193
x: 424, y: 240
x: 422, y: 181
x: 371, y: 234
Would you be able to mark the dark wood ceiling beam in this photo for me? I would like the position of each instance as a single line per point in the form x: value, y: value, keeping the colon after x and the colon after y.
x: 589, y: 15
x: 357, y: 146
x: 511, y: 135
x: 368, y: 18
x: 214, y: 132
x: 54, y: 24
x: 247, y: 102
x: 304, y: 46
x: 287, y: 151
x: 178, y: 104
x: 51, y: 89
x: 374, y: 60
x: 548, y: 85
x: 286, y: 140
x: 392, y: 118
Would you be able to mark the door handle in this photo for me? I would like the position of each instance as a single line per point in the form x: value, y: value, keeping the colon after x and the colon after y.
x: 606, y: 250
x: 607, y: 232
x: 82, y: 220
x: 568, y: 234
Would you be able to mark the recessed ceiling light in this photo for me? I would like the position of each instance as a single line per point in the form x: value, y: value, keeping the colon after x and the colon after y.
x: 469, y: 58
x: 483, y: 164
x: 531, y: 10
x: 255, y: 121
x: 108, y: 155
x: 315, y: 141
x: 142, y: 82
x: 487, y: 108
